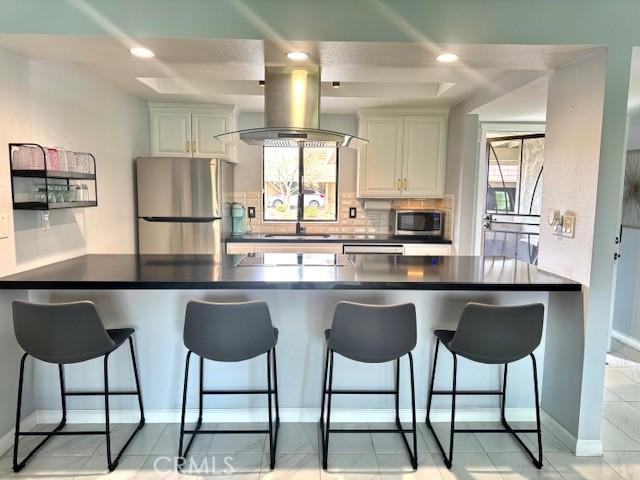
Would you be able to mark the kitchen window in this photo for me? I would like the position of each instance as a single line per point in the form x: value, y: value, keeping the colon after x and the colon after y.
x: 285, y: 169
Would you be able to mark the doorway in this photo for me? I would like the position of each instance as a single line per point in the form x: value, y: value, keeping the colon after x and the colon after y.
x: 513, y: 200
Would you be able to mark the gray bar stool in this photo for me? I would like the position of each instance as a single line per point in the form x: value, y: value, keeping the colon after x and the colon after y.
x: 370, y: 334
x: 230, y: 332
x: 494, y: 335
x: 67, y: 333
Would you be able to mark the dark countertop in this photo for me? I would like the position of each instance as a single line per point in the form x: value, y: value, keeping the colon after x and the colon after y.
x: 368, y: 272
x: 337, y: 238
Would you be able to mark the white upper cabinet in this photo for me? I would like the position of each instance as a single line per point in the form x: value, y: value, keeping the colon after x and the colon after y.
x: 188, y: 130
x: 379, y: 175
x: 424, y: 153
x: 170, y: 133
x: 204, y: 127
x: 405, y: 156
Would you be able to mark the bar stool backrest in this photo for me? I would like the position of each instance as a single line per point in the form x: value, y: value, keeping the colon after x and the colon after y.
x: 228, y: 332
x: 373, y: 333
x: 60, y: 332
x: 498, y: 334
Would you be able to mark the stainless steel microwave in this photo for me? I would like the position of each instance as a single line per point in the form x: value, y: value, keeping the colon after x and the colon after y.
x: 420, y: 223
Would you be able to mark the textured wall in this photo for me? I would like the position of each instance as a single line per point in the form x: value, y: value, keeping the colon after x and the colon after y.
x: 572, y: 154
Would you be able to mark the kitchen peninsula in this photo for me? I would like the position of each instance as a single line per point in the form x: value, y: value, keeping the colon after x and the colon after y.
x: 150, y: 292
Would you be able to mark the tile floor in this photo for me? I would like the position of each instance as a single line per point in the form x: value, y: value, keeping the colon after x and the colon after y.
x: 376, y: 456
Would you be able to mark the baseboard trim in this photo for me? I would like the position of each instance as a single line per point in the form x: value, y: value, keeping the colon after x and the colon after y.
x: 305, y: 415
x: 6, y: 441
x: 626, y: 339
x: 581, y: 448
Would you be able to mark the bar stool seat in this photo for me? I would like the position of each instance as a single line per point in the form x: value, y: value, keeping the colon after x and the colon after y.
x: 491, y: 335
x: 63, y: 334
x: 119, y: 335
x: 370, y: 334
x: 445, y: 336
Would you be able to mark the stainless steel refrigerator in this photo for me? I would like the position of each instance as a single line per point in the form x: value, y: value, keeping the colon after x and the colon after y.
x: 184, y: 205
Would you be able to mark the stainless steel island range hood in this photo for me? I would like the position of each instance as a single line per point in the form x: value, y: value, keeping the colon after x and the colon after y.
x: 292, y: 112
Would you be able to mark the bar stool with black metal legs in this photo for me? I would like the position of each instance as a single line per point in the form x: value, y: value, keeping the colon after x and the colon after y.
x: 62, y: 334
x: 370, y: 334
x: 495, y: 335
x: 230, y: 332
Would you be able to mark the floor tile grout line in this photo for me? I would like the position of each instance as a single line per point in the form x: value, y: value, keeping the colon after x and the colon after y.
x: 612, y: 467
x: 624, y: 434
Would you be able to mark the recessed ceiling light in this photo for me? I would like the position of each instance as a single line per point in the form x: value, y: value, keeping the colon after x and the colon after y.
x: 335, y: 84
x: 297, y: 55
x: 447, y: 57
x: 142, y: 52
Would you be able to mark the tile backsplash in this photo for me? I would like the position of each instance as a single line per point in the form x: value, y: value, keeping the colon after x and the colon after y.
x: 367, y: 221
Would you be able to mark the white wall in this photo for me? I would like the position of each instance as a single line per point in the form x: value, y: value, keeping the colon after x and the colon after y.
x: 59, y: 104
x: 633, y: 139
x: 461, y: 174
x: 626, y: 310
x: 572, y: 154
x: 62, y: 105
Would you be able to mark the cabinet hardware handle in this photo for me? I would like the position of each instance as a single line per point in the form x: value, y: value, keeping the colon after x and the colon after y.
x: 405, y: 183
x: 193, y: 146
x: 188, y: 146
x: 399, y: 184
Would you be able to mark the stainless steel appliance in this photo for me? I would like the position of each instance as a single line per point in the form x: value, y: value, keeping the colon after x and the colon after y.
x: 292, y: 112
x: 419, y: 223
x: 184, y: 205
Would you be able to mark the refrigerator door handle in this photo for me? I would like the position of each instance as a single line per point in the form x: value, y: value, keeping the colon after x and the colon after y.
x: 181, y: 219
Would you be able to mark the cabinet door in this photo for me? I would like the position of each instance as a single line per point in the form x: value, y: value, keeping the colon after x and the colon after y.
x: 205, y: 127
x: 427, y: 249
x: 239, y: 248
x: 424, y: 156
x: 302, y: 247
x: 380, y: 161
x: 171, y: 133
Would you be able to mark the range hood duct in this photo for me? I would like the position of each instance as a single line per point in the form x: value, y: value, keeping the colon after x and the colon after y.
x: 292, y: 113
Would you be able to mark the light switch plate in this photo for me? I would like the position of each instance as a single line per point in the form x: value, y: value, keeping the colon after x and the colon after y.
x: 4, y: 225
x: 569, y: 225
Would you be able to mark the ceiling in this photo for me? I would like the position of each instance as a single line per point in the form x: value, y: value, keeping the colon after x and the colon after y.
x: 227, y: 71
x: 525, y: 104
x: 529, y: 103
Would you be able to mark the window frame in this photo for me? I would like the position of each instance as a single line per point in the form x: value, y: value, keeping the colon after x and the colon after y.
x: 300, y: 210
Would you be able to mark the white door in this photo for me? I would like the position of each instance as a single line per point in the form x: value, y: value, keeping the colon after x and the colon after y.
x: 205, y: 127
x: 380, y: 161
x: 171, y: 133
x: 424, y: 156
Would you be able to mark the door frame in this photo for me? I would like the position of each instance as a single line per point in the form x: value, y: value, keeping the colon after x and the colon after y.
x: 482, y: 172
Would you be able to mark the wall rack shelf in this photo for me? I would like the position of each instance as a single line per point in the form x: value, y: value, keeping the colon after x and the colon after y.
x: 51, y: 179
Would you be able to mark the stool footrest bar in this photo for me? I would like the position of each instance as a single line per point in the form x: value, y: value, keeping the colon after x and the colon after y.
x: 237, y: 392
x: 63, y: 433
x: 361, y: 392
x: 364, y: 430
x: 493, y: 430
x: 91, y: 393
x: 467, y: 392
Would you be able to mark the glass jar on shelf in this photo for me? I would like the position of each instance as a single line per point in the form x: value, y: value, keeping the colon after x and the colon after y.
x: 72, y: 193
x: 60, y: 195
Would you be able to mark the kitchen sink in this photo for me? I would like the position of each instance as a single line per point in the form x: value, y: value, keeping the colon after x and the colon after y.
x: 296, y: 237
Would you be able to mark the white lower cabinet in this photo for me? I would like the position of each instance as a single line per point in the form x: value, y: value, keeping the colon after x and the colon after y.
x: 236, y: 248
x: 243, y: 248
x: 427, y: 249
